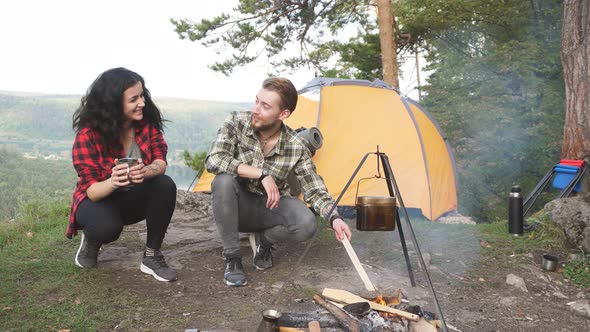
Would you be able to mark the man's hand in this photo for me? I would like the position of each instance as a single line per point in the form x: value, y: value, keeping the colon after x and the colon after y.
x: 341, y: 229
x: 272, y: 191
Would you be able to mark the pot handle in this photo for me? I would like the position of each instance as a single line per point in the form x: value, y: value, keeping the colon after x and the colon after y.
x: 358, y: 184
x: 377, y: 176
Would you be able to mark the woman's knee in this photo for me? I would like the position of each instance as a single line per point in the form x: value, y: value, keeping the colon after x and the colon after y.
x: 105, y: 232
x: 164, y: 183
x: 101, y: 220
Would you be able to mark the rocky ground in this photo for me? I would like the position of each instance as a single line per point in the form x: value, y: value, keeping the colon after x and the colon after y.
x: 473, y: 295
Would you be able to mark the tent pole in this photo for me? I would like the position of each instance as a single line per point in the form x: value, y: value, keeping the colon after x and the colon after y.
x: 389, y: 175
x: 404, y: 246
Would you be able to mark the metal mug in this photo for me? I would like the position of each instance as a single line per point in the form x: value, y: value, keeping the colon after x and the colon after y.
x: 130, y: 163
x: 269, y: 322
x: 549, y: 262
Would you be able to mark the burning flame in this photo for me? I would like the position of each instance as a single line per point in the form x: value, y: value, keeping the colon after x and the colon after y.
x: 388, y: 301
x: 380, y: 299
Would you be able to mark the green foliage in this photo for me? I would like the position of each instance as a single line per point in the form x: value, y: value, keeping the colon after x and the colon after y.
x: 37, y: 122
x: 28, y: 184
x: 41, y: 287
x: 32, y: 219
x: 546, y: 236
x: 256, y: 28
x: 196, y: 161
x: 578, y: 271
x: 496, y: 89
x: 360, y: 58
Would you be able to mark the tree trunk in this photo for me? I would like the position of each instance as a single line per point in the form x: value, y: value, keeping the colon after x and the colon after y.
x: 388, y: 47
x: 575, y: 54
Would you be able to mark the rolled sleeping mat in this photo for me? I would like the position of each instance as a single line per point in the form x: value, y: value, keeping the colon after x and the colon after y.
x: 312, y: 137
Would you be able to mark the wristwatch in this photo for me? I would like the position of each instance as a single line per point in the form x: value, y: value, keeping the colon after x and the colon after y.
x: 264, y: 174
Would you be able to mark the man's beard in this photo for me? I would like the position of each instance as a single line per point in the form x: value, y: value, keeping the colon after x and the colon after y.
x: 264, y: 127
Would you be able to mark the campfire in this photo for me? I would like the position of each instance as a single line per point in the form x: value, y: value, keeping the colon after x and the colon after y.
x: 351, y: 312
x: 388, y: 301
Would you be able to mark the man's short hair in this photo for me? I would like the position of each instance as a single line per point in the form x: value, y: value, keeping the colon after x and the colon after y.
x: 285, y: 89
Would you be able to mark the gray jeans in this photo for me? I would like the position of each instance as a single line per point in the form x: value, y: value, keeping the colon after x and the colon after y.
x: 237, y: 210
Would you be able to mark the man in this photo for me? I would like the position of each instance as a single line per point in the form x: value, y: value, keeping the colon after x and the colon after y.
x: 252, y: 156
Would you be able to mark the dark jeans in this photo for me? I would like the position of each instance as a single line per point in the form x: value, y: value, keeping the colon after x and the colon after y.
x: 237, y: 210
x: 152, y: 200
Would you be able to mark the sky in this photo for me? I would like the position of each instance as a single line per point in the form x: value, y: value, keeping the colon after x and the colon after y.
x: 61, y: 46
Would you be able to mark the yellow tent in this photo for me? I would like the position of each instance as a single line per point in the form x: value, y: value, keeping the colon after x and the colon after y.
x: 354, y: 118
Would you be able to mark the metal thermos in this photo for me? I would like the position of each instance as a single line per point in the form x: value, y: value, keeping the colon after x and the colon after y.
x: 515, y: 217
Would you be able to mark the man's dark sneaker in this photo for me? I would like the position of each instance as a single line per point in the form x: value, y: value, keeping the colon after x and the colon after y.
x: 157, y: 267
x: 87, y: 254
x: 234, y: 272
x: 262, y: 254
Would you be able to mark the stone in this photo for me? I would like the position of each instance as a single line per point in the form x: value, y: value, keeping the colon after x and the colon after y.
x: 516, y: 281
x: 192, y: 205
x: 580, y: 307
x: 572, y: 214
x: 455, y: 218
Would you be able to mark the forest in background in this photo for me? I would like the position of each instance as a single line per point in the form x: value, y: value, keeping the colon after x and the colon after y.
x: 497, y: 90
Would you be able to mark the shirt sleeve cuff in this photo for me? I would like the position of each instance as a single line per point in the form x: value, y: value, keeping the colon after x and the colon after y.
x: 233, y: 166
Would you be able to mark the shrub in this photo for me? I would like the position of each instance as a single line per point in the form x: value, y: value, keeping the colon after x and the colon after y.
x: 578, y: 271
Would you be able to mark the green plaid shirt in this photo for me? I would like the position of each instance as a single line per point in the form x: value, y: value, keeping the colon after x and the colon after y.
x: 237, y: 144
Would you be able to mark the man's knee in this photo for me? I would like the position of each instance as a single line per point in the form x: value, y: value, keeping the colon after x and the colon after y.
x: 307, y: 226
x: 223, y: 183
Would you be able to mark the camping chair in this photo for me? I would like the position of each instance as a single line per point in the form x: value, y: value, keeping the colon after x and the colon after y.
x: 566, y: 175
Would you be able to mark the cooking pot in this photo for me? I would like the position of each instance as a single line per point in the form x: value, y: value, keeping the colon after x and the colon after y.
x: 375, y: 213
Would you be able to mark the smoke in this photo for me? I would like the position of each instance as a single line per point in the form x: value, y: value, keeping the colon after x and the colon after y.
x: 449, y: 251
x: 498, y: 95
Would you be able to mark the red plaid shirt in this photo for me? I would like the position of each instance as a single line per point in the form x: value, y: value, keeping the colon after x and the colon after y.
x: 93, y: 161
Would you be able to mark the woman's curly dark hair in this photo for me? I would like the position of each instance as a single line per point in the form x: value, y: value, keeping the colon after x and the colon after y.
x: 102, y: 107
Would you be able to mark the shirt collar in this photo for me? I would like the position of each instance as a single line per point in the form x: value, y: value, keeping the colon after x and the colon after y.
x: 280, y: 147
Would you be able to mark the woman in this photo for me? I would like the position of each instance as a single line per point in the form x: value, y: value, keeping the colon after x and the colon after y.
x: 117, y: 118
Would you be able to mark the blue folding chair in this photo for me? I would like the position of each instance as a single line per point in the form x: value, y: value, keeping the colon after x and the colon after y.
x: 566, y: 175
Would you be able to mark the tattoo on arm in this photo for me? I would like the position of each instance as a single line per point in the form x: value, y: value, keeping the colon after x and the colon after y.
x: 154, y: 168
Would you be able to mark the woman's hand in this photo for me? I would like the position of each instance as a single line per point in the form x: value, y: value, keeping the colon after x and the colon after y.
x: 119, y: 175
x: 137, y: 172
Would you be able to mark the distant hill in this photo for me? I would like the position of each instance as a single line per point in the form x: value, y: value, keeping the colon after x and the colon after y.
x: 40, y: 125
